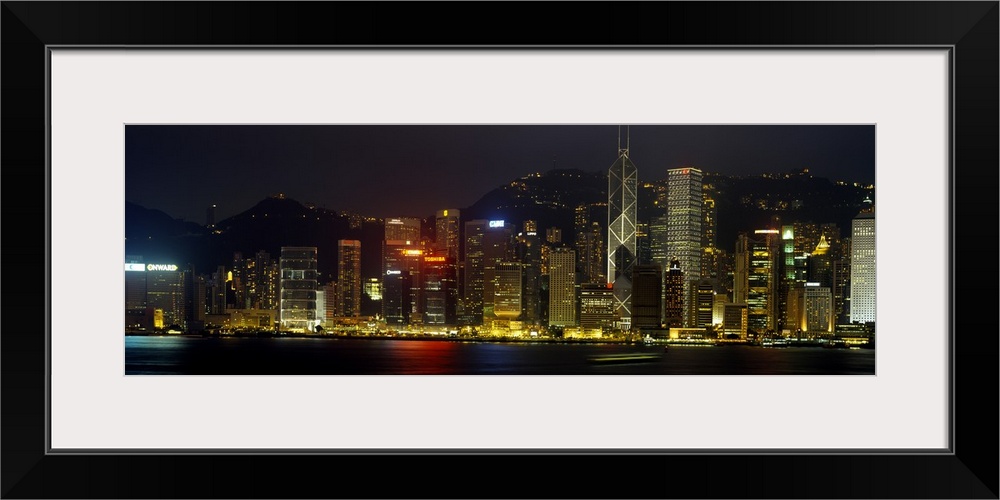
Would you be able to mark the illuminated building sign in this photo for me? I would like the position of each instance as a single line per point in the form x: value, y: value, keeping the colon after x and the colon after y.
x: 445, y: 213
x: 496, y: 223
x: 394, y: 221
x: 532, y: 233
x: 433, y: 259
x: 161, y: 267
x: 812, y: 284
x: 134, y: 267
x: 766, y: 231
x: 393, y: 271
x: 413, y: 252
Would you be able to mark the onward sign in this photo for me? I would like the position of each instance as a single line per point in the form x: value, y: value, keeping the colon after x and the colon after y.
x: 161, y: 267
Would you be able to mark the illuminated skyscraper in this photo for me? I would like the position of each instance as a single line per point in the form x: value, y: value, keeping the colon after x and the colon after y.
x: 590, y: 255
x: 810, y: 309
x: 863, y: 267
x: 562, y: 287
x: 622, y: 205
x: 165, y: 294
x: 403, y: 229
x: 818, y: 309
x: 446, y: 229
x: 701, y: 303
x: 684, y: 222
x: 821, y: 263
x: 673, y: 295
x: 401, y: 283
x: 842, y: 283
x: 472, y: 299
x: 756, y: 278
x: 349, y: 278
x: 734, y: 321
x: 597, y: 306
x: 553, y: 235
x: 298, y: 289
x: 508, y: 292
x: 254, y: 283
x: 498, y: 246
x: 440, y: 289
x: 135, y: 292
x: 529, y: 253
x: 658, y: 241
x: 593, y: 257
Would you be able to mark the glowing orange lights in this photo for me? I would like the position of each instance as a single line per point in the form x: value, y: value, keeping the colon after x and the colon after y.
x: 434, y: 259
x: 413, y: 252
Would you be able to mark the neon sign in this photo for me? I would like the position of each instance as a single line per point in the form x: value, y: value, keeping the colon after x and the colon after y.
x: 134, y: 267
x: 161, y: 267
x: 496, y: 223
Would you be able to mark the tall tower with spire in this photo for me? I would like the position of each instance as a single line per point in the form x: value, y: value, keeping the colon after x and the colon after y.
x: 622, y: 190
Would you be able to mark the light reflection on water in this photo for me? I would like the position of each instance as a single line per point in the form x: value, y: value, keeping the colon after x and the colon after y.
x: 311, y: 356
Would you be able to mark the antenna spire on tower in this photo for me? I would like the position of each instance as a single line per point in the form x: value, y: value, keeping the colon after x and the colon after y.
x: 627, y: 141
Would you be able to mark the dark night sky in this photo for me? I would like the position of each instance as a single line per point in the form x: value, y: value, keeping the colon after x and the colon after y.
x: 413, y: 170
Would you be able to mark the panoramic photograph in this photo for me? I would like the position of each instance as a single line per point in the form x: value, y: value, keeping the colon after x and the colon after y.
x: 590, y: 249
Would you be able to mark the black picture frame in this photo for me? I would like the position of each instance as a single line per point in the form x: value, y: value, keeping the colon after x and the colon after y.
x: 970, y: 28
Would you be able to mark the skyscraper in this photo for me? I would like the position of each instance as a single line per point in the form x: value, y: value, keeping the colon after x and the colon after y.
x: 562, y: 287
x: 165, y: 294
x: 403, y: 229
x: 684, y: 223
x: 647, y: 284
x: 673, y: 295
x: 440, y: 289
x: 446, y: 229
x: 507, y: 292
x: 401, y: 268
x: 349, y: 278
x: 756, y: 278
x: 622, y: 207
x: 529, y: 253
x: 597, y: 306
x: 589, y: 244
x: 472, y: 300
x: 498, y: 246
x: 298, y: 289
x: 863, y: 267
x: 818, y: 309
x: 135, y: 292
x: 701, y: 303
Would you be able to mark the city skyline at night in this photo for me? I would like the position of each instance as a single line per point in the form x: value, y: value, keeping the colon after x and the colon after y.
x: 620, y: 254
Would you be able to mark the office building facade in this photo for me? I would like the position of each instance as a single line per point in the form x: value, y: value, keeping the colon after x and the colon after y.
x: 622, y: 225
x: 349, y: 278
x: 298, y: 282
x: 863, y: 267
x: 684, y: 222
